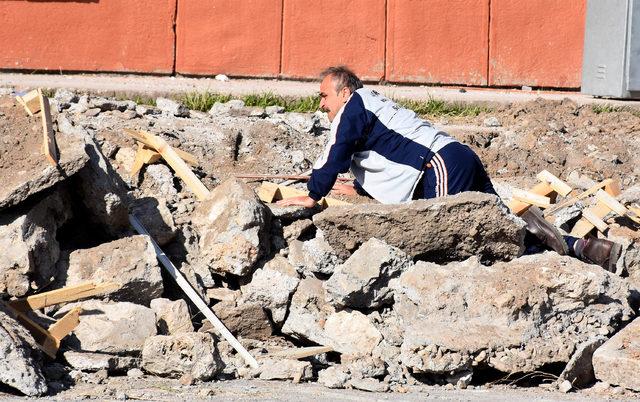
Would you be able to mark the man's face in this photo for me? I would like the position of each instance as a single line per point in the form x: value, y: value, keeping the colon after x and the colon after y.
x: 331, y: 100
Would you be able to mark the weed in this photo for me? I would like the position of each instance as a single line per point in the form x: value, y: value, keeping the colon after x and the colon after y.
x: 436, y: 107
x: 606, y: 108
x: 203, y: 101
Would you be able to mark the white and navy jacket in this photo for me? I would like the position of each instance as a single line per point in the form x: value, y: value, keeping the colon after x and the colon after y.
x: 385, y: 146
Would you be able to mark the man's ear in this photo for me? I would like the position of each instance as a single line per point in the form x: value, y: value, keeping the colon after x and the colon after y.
x: 345, y: 93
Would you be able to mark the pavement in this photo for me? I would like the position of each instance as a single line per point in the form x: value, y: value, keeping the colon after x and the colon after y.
x: 150, y: 85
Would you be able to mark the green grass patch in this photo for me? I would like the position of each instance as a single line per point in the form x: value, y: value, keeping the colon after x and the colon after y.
x: 609, y: 108
x: 49, y: 92
x: 203, y: 101
x: 435, y: 107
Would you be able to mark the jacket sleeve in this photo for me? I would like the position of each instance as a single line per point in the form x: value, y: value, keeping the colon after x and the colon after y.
x: 361, y: 191
x: 336, y: 159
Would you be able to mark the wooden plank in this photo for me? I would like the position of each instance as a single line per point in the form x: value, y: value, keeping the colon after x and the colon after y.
x: 144, y: 156
x: 282, y: 176
x: 531, y: 198
x: 65, y: 325
x: 556, y: 184
x: 583, y: 226
x: 179, y: 166
x: 276, y: 192
x: 519, y: 207
x: 301, y: 353
x: 569, y: 202
x: 613, y: 188
x: 146, y: 138
x: 44, y: 340
x: 64, y: 295
x: 30, y: 101
x: 267, y: 192
x: 193, y: 295
x: 49, y: 139
x: 611, y: 202
x: 595, y: 220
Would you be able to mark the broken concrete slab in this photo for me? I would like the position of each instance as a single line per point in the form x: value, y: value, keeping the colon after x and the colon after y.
x: 515, y: 316
x: 232, y: 228
x: 334, y: 377
x: 130, y: 262
x: 248, y: 320
x: 172, y: 108
x: 155, y: 216
x: 351, y: 333
x: 172, y: 317
x: 362, y: 281
x: 579, y: 370
x: 92, y: 362
x: 271, y: 287
x: 313, y: 256
x: 117, y: 328
x: 20, y: 362
x: 194, y: 354
x: 439, y: 230
x: 368, y: 384
x: 285, y: 369
x: 29, y: 243
x: 618, y: 360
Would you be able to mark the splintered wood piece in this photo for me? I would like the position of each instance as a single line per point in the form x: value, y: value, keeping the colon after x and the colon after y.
x: 531, y: 198
x: 613, y: 188
x: 583, y: 226
x: 519, y: 207
x: 611, y: 202
x: 144, y: 137
x: 144, y: 156
x: 47, y: 343
x: 65, y: 325
x: 301, y: 353
x: 30, y: 101
x: 270, y: 192
x: 64, y: 295
x: 569, y: 202
x: 49, y: 139
x: 595, y: 220
x: 558, y: 185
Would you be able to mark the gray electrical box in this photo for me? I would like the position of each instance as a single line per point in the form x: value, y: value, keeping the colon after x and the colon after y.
x: 611, y: 63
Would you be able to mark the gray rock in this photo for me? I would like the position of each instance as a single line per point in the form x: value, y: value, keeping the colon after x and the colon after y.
x: 100, y: 361
x: 194, y: 354
x: 20, y: 363
x: 308, y: 312
x: 172, y: 108
x: 156, y: 218
x: 130, y: 262
x: 492, y: 122
x: 368, y: 384
x: 443, y: 229
x: 362, y: 281
x: 565, y: 386
x: 117, y: 328
x: 285, y: 369
x: 72, y: 158
x: 248, y: 320
x: 579, y: 370
x: 514, y: 317
x: 294, y: 213
x: 232, y: 228
x: 172, y: 317
x: 351, y: 333
x: 159, y: 180
x: 296, y: 229
x: 313, y: 256
x: 271, y: 287
x: 630, y: 195
x: 29, y: 244
x: 108, y: 105
x: 334, y: 377
x: 618, y: 360
x: 271, y: 110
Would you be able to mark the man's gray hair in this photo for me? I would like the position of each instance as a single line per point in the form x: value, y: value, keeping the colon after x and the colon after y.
x: 342, y: 77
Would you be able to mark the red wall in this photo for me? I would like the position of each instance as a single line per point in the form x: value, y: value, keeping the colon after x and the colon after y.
x: 467, y: 42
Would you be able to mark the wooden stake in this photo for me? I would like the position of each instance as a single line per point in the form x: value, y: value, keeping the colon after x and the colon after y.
x: 143, y: 137
x: 64, y: 295
x: 65, y: 325
x: 193, y: 296
x: 519, y: 207
x: 49, y: 139
x: 569, y: 202
x: 584, y: 226
x: 556, y: 184
x: 531, y: 198
x: 144, y: 156
x: 47, y: 343
x: 30, y: 101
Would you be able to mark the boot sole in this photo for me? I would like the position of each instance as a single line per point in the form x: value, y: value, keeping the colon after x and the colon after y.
x: 538, y: 213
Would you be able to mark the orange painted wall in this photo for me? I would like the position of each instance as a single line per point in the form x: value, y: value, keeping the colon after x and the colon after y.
x: 229, y: 36
x: 317, y: 34
x: 91, y: 35
x: 536, y: 42
x: 438, y: 41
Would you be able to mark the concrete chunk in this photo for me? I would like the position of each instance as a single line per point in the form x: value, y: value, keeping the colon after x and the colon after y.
x: 618, y: 360
x: 173, y: 317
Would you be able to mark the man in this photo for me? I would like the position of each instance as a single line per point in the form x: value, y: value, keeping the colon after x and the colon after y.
x: 395, y: 157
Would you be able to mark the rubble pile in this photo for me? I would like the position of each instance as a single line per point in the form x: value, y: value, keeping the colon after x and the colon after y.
x: 434, y: 291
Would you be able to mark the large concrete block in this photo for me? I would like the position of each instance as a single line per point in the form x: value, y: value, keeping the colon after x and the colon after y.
x: 319, y: 34
x: 618, y: 360
x: 229, y: 37
x: 115, y: 35
x: 444, y: 229
x: 536, y: 42
x: 438, y: 41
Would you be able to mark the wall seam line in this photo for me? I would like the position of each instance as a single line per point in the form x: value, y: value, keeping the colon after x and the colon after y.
x: 281, y: 39
x: 386, y: 36
x: 488, y: 46
x: 175, y: 39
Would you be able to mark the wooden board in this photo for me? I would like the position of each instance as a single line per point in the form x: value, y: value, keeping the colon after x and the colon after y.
x: 64, y: 295
x: 146, y: 138
x: 301, y: 353
x: 30, y: 101
x: 556, y: 184
x: 569, y: 202
x: 47, y: 343
x: 530, y: 198
x: 583, y: 226
x: 595, y: 220
x: 65, y: 325
x: 519, y: 207
x: 270, y: 192
x: 49, y: 139
x: 144, y: 156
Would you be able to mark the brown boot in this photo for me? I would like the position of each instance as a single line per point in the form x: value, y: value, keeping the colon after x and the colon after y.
x: 544, y: 231
x: 599, y: 251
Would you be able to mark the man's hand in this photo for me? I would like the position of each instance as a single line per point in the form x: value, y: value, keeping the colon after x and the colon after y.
x: 344, y: 189
x: 303, y: 200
